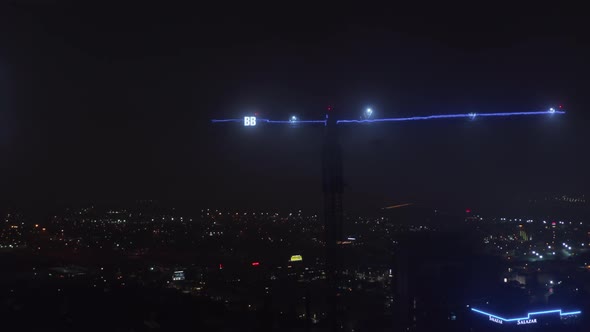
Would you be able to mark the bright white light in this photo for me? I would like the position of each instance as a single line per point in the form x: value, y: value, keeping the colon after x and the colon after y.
x: 552, y: 110
x: 293, y: 118
x: 541, y: 257
x: 472, y: 115
x: 249, y: 121
x: 369, y: 111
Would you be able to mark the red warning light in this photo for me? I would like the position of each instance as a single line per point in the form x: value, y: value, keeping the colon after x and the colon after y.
x: 256, y: 113
x: 220, y: 266
x: 329, y: 108
x: 560, y: 106
x: 255, y: 263
x: 468, y: 211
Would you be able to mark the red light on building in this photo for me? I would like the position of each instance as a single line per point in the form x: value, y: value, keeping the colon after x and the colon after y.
x: 255, y: 263
x: 220, y: 266
x: 468, y: 211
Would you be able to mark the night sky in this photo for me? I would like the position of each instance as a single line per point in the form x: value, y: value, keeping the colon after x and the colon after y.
x: 114, y: 103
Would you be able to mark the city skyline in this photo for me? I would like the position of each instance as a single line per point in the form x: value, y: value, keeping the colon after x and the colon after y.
x: 291, y: 167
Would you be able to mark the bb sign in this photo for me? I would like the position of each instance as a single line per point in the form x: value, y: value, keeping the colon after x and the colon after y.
x: 249, y: 121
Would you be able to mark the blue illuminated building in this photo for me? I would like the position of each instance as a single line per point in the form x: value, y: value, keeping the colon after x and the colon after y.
x: 530, y: 318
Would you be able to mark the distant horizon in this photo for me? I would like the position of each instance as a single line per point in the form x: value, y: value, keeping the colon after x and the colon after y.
x: 194, y: 205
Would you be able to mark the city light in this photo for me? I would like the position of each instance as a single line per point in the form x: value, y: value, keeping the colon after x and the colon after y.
x: 178, y: 276
x: 255, y: 263
x: 296, y: 258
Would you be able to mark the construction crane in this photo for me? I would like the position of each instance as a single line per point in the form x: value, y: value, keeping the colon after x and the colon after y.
x: 332, y: 176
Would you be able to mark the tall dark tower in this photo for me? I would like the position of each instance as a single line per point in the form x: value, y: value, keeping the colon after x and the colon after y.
x: 333, y: 187
x: 332, y: 182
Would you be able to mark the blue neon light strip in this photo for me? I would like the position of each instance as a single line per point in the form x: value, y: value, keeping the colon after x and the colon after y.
x: 449, y: 116
x: 291, y: 122
x: 227, y: 120
x: 412, y: 118
x: 529, y: 314
x: 270, y: 121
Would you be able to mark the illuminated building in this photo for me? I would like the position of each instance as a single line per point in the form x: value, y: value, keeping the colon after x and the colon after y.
x: 178, y: 276
x: 523, y: 235
x: 534, y: 317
